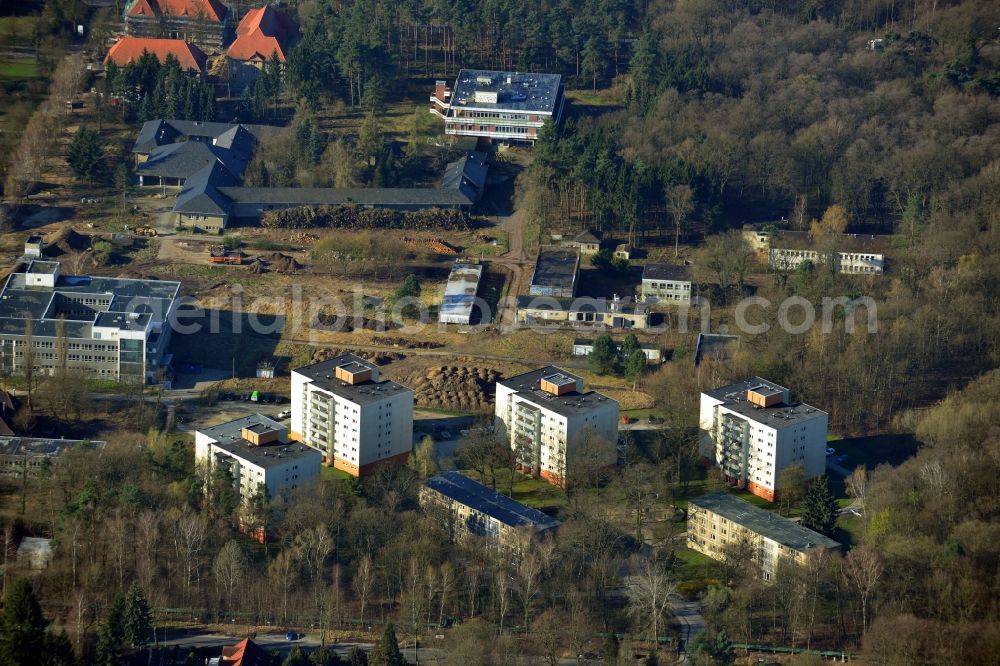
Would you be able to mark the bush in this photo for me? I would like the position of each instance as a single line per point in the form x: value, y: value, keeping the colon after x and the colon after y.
x: 358, y: 217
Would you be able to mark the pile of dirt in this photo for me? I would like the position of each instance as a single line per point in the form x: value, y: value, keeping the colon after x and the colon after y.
x: 332, y: 321
x: 389, y: 341
x: 67, y: 242
x: 436, y: 245
x: 376, y: 357
x: 281, y: 263
x: 458, y: 388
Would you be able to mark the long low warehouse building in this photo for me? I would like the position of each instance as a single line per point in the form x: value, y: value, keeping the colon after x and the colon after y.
x: 460, y: 293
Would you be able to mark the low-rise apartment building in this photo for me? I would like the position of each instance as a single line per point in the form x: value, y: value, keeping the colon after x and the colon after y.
x: 31, y: 455
x: 753, y: 431
x: 469, y: 509
x: 547, y: 417
x: 720, y: 520
x: 666, y: 283
x: 359, y: 421
x: 257, y: 452
x: 105, y: 328
x: 502, y: 106
x: 206, y: 23
x: 582, y: 312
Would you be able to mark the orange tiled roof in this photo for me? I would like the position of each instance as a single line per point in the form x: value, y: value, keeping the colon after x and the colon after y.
x: 245, y: 653
x: 211, y: 10
x: 262, y: 31
x: 128, y: 49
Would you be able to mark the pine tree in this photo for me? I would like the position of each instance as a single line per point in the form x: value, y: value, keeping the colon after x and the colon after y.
x: 387, y: 653
x: 604, y: 355
x: 137, y: 621
x: 820, y: 507
x: 23, y: 626
x: 295, y: 658
x: 356, y: 657
x: 86, y: 158
x: 111, y: 640
x: 611, y: 648
x: 57, y: 650
x: 634, y: 364
x: 370, y: 138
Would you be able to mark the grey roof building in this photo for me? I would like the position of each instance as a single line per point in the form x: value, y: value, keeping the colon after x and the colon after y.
x: 31, y: 454
x: 556, y: 272
x: 162, y: 132
x: 472, y: 509
x: 109, y: 328
x: 460, y: 293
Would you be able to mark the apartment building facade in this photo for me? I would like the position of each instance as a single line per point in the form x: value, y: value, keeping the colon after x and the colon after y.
x: 343, y: 408
x: 753, y: 432
x: 720, y: 520
x: 502, y: 106
x: 666, y: 283
x: 257, y: 452
x: 468, y: 509
x: 106, y: 328
x: 547, y: 417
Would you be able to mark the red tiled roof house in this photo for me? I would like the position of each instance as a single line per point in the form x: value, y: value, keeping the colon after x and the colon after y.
x: 128, y: 49
x: 203, y: 22
x: 262, y: 32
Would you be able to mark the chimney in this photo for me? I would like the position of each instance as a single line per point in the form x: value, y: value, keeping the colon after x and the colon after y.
x: 441, y: 91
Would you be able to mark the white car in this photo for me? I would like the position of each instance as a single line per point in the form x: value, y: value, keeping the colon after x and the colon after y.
x: 284, y: 415
x: 830, y: 451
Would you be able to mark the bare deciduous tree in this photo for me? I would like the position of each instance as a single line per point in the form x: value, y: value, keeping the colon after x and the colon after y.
x: 364, y: 580
x: 651, y: 596
x: 863, y: 567
x: 229, y: 569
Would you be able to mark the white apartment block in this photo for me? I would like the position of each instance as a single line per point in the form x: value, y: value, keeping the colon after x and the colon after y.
x: 753, y: 433
x: 720, y: 520
x: 343, y: 408
x: 849, y: 263
x: 504, y: 106
x: 666, y: 283
x: 545, y: 414
x: 257, y: 452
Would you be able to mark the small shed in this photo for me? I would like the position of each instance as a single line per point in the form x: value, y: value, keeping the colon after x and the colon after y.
x: 34, y: 553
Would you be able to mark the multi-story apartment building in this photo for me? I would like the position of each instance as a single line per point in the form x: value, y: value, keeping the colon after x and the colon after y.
x: 257, y: 452
x: 342, y: 407
x: 106, y: 328
x: 206, y: 23
x: 753, y: 432
x: 547, y: 417
x: 666, y: 283
x: 504, y: 106
x: 470, y: 509
x: 720, y: 520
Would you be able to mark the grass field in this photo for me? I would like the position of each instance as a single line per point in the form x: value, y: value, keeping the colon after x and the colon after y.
x: 18, y: 69
x: 875, y: 450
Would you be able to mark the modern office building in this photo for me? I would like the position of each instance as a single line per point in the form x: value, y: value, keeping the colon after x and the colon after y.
x: 470, y: 509
x: 753, y: 432
x: 502, y: 106
x: 720, y: 520
x: 206, y: 23
x: 106, y: 328
x: 459, y: 300
x: 257, y: 452
x: 359, y: 421
x: 547, y: 417
x: 666, y: 283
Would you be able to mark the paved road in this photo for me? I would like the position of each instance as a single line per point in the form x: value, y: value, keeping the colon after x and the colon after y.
x: 689, y: 614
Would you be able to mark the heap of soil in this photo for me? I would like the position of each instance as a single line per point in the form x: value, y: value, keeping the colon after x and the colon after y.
x: 67, y: 242
x: 282, y: 263
x: 459, y: 388
x: 376, y: 357
x: 348, y: 324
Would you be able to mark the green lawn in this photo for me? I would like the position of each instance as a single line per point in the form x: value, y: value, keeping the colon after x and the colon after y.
x: 333, y: 474
x: 692, y: 565
x: 18, y: 69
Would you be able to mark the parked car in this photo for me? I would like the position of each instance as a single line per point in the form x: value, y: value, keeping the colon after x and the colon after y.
x: 291, y: 635
x: 279, y: 399
x: 842, y: 457
x: 284, y: 415
x: 444, y: 434
x: 830, y: 451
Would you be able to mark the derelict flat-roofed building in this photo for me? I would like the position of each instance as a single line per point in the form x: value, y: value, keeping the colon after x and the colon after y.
x: 31, y: 454
x: 460, y: 293
x: 556, y: 272
x: 112, y: 328
x: 504, y: 106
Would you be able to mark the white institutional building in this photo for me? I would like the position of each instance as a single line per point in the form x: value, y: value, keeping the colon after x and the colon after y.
x: 753, y: 432
x: 342, y: 407
x: 545, y: 413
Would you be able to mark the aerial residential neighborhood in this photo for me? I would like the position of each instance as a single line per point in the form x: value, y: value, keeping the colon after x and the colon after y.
x: 499, y: 333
